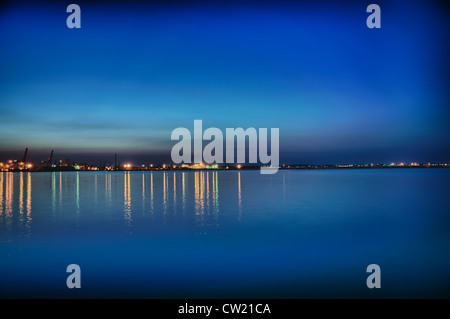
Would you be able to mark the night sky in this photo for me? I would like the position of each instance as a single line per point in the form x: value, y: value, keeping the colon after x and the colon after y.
x: 338, y: 91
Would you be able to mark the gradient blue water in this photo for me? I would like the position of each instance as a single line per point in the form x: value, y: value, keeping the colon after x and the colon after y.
x: 228, y: 234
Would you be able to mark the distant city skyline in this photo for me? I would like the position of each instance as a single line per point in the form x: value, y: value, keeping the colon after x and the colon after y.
x: 338, y: 91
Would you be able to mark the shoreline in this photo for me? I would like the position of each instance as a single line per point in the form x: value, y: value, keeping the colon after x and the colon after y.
x: 312, y: 167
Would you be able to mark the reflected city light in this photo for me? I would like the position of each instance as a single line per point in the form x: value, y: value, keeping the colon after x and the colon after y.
x: 202, y: 192
x: 108, y: 189
x: 216, y: 193
x: 1, y: 194
x: 199, y: 193
x: 95, y: 187
x: 28, y: 223
x: 174, y: 189
x: 206, y: 194
x: 143, y: 189
x: 21, y: 197
x: 183, y: 189
x: 143, y: 192
x: 53, y: 187
x: 77, y: 192
x: 194, y: 193
x: 127, y: 199
x: 165, y: 190
x: 151, y: 191
x: 60, y: 188
x: 9, y: 198
x: 207, y: 189
x: 239, y: 195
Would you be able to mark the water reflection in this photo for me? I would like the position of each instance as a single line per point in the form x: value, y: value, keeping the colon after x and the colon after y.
x: 215, y: 196
x: 108, y: 189
x: 77, y: 192
x: 198, y: 193
x: 195, y: 194
x: 15, y: 203
x: 198, y: 196
x: 53, y: 182
x: 207, y: 190
x: 216, y: 192
x: 143, y: 191
x: 127, y: 200
x: 9, y: 191
x: 239, y: 195
x: 165, y: 191
x: 266, y: 226
x: 1, y: 196
x: 174, y: 192
x: 183, y: 189
x: 206, y: 198
x: 60, y: 189
x: 151, y: 192
x: 95, y: 188
x: 28, y: 222
x: 21, y: 197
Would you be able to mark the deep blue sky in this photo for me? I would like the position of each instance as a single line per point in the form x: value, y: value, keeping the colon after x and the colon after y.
x: 338, y: 91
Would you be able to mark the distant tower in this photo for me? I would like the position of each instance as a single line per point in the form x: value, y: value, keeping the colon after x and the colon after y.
x: 50, y: 159
x: 24, y: 160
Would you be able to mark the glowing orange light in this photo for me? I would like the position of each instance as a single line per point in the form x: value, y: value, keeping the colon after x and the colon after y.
x: 239, y: 166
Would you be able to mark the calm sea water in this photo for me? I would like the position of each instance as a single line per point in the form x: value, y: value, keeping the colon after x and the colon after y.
x: 226, y: 234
